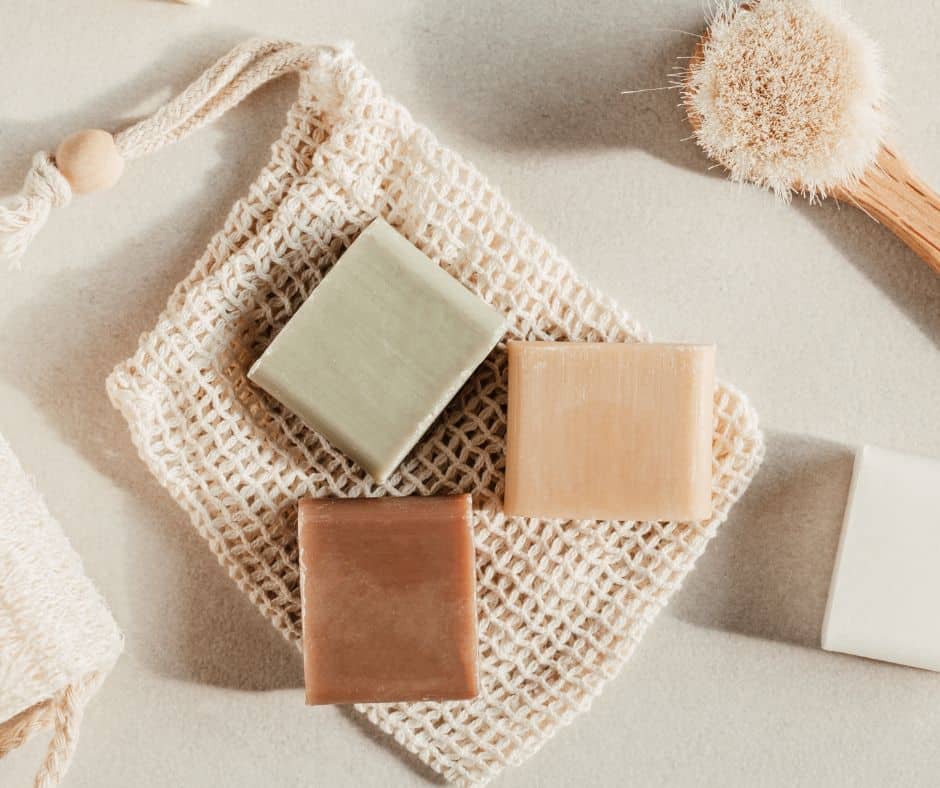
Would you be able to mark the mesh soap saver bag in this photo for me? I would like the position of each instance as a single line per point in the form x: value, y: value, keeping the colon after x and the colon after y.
x: 561, y: 605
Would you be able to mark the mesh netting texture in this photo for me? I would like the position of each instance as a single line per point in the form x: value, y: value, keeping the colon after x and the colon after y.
x: 561, y: 605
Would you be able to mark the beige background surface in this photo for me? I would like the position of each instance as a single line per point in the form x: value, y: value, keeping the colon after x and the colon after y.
x: 831, y: 326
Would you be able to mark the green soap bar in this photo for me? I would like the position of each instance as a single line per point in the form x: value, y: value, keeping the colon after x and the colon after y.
x: 380, y: 347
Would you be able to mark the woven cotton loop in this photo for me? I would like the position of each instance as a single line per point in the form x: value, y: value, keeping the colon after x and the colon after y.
x: 63, y: 712
x: 23, y: 216
x: 67, y: 709
x: 220, y: 88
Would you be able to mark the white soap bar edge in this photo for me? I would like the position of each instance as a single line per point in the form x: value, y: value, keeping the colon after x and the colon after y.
x: 825, y: 638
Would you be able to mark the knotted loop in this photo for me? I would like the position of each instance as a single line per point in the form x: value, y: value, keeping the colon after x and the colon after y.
x: 23, y: 216
x: 45, y: 182
x: 221, y: 87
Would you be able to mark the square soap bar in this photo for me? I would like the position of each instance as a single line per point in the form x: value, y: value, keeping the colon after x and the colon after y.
x: 388, y: 598
x: 885, y: 584
x: 378, y: 349
x: 610, y: 431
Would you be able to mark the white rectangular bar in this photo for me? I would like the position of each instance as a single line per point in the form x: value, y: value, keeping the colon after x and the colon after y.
x: 885, y: 592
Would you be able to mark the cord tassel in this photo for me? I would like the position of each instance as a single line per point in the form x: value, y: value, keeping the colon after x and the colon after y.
x: 22, y: 216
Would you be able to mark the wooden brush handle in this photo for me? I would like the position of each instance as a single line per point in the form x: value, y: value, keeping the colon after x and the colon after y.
x: 893, y: 195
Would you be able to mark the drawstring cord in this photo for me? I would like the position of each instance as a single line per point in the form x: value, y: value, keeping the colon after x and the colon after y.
x: 220, y: 88
x: 24, y: 215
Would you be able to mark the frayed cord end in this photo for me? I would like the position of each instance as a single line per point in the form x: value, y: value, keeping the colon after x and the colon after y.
x: 23, y: 215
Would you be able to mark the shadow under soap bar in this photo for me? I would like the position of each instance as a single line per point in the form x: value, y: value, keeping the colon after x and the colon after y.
x: 379, y: 348
x: 388, y: 599
x: 610, y: 431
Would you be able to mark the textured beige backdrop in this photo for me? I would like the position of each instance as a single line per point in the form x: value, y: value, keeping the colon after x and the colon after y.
x: 829, y: 324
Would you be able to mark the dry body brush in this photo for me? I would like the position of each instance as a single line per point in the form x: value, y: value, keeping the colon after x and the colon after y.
x: 790, y: 95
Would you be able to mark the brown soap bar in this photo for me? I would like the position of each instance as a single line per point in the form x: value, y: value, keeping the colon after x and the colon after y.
x: 610, y: 431
x: 388, y: 597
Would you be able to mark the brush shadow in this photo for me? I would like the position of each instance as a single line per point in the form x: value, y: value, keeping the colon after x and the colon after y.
x: 767, y: 574
x: 554, y: 82
x: 883, y: 259
x: 89, y: 318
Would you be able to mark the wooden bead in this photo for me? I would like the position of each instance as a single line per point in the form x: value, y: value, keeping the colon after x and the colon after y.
x: 89, y: 160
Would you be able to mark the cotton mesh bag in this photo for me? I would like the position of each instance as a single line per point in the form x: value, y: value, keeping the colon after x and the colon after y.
x: 561, y: 605
x: 57, y: 638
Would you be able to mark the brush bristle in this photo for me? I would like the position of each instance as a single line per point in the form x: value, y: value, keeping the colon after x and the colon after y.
x: 787, y: 94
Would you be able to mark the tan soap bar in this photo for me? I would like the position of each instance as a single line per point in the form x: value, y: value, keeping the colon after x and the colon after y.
x: 388, y: 598
x: 610, y: 431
